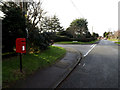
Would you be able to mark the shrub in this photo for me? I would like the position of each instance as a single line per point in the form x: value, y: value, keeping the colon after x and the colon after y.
x: 61, y: 38
x: 39, y: 41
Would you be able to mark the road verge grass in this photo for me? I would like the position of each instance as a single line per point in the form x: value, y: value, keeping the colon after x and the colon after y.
x: 117, y: 42
x: 113, y: 39
x: 31, y: 63
x: 71, y: 42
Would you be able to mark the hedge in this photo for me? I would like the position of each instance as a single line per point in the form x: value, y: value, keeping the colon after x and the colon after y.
x: 64, y: 38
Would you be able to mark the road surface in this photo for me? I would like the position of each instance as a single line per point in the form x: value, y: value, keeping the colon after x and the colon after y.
x: 98, y: 68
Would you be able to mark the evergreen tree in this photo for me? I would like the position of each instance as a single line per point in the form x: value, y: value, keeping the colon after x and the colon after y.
x: 79, y: 27
x: 13, y: 25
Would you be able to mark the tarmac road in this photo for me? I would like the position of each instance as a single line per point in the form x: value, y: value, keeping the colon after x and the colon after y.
x: 82, y: 48
x: 98, y: 68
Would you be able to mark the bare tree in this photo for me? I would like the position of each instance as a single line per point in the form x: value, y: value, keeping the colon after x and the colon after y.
x: 35, y: 13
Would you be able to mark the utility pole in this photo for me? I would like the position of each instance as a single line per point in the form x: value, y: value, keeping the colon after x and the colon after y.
x: 92, y: 30
x: 24, y: 8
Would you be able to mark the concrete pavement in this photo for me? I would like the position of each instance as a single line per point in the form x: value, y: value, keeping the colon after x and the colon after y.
x: 50, y: 77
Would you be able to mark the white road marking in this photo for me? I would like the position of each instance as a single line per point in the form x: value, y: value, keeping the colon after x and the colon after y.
x: 83, y: 64
x: 90, y: 50
x: 92, y: 45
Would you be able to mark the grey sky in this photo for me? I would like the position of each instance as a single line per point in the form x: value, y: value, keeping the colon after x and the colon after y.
x: 102, y: 15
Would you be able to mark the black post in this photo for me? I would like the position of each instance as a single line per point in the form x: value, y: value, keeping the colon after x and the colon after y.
x: 20, y: 62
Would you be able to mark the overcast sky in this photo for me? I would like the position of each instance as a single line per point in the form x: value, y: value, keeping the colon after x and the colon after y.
x: 102, y: 15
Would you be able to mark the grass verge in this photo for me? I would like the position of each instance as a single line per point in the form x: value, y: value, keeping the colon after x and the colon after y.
x: 31, y: 62
x: 8, y: 53
x: 70, y: 42
x: 114, y: 39
x: 117, y: 42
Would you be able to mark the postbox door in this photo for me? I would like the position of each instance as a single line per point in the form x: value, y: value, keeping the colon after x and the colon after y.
x: 21, y: 45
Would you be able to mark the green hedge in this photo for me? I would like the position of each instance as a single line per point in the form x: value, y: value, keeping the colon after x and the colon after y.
x: 64, y: 38
x: 61, y: 38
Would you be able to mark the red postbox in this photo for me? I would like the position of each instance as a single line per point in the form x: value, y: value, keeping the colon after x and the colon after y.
x: 21, y: 45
